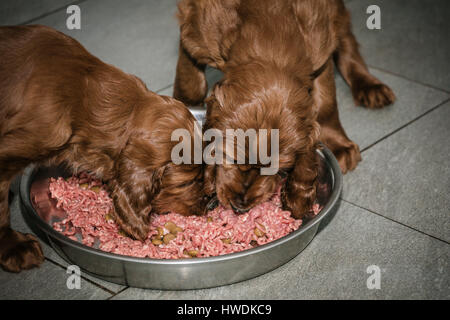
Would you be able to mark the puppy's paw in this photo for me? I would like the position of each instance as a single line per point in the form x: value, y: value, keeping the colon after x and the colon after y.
x: 373, y: 95
x: 348, y: 157
x: 299, y: 203
x: 19, y: 251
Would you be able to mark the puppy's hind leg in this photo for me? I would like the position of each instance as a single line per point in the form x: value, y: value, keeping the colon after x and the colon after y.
x: 190, y: 81
x: 366, y: 89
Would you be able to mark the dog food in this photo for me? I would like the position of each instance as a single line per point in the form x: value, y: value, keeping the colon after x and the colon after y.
x: 172, y: 236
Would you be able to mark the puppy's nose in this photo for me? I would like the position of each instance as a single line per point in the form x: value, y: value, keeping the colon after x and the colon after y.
x: 238, y: 209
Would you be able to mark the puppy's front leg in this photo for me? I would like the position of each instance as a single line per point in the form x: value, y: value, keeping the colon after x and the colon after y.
x: 18, y: 251
x: 300, y: 191
x: 190, y: 81
x: 332, y: 133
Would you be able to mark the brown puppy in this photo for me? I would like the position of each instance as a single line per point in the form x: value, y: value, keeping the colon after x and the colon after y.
x: 277, y: 59
x: 60, y: 104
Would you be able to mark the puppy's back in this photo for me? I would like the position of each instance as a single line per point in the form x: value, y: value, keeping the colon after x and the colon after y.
x: 52, y: 87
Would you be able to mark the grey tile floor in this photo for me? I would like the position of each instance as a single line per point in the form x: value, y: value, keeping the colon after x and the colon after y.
x: 395, y: 208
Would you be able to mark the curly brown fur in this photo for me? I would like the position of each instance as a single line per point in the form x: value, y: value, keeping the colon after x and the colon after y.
x: 59, y: 104
x: 276, y: 56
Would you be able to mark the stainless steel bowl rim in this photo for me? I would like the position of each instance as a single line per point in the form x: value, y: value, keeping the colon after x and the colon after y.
x: 334, y: 197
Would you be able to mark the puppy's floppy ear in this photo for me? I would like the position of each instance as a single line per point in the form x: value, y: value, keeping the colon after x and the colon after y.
x: 132, y: 190
x: 209, y: 180
x: 156, y: 179
x: 214, y: 104
x: 129, y: 214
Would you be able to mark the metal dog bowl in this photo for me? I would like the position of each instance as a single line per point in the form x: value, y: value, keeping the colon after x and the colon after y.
x: 185, y: 273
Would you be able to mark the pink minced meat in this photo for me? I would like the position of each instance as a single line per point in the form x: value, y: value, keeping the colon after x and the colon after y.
x: 87, y: 204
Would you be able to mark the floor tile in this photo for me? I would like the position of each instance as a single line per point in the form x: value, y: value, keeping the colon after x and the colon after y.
x: 139, y: 37
x: 18, y: 223
x: 46, y: 283
x: 413, y: 40
x: 366, y: 126
x: 166, y: 91
x: 406, y: 176
x: 334, y: 266
x: 20, y: 11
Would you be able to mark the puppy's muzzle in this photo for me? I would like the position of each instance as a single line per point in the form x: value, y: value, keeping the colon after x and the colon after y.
x: 237, y: 209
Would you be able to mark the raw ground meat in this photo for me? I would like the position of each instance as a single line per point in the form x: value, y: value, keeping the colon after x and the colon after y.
x: 221, y: 231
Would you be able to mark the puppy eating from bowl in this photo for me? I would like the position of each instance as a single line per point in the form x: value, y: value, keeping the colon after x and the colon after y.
x: 59, y: 104
x: 277, y: 59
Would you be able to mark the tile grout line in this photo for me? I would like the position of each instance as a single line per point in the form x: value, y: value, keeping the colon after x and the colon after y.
x: 164, y: 88
x: 84, y: 278
x: 51, y: 12
x: 395, y: 221
x: 406, y: 125
x: 408, y: 79
x: 117, y: 293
